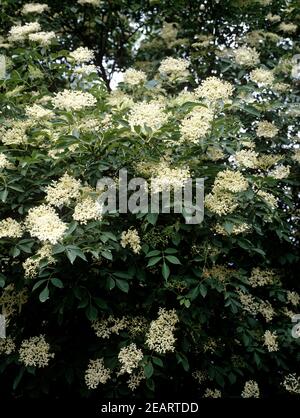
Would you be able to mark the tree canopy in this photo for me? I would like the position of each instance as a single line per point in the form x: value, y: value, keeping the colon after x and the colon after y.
x: 135, y: 304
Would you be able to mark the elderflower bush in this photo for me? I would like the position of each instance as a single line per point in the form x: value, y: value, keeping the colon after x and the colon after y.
x: 123, y: 302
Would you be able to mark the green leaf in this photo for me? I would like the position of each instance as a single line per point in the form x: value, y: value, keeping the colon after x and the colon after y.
x: 44, y: 295
x: 194, y: 293
x: 57, y: 249
x: 148, y: 369
x: 150, y: 384
x: 3, y: 195
x: 202, y: 290
x: 73, y: 252
x: 232, y: 378
x: 171, y: 251
x: 152, y: 218
x: 25, y: 248
x: 101, y: 303
x: 91, y: 312
x: 228, y: 226
x: 153, y: 261
x: 165, y: 271
x: 122, y: 275
x: 122, y: 285
x: 251, y: 110
x: 153, y: 253
x: 17, y: 188
x: 71, y: 228
x: 110, y: 235
x: 18, y: 378
x: 158, y: 361
x: 15, y: 252
x: 38, y: 284
x: 257, y: 359
x: 107, y: 254
x: 172, y: 259
x: 111, y: 283
x: 2, y: 280
x: 182, y: 359
x: 57, y: 282
x: 220, y: 379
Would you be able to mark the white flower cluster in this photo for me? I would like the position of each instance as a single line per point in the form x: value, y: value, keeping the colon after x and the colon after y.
x: 293, y: 298
x: 296, y: 156
x: 20, y: 33
x: 273, y: 18
x: 38, y: 112
x: 266, y: 129
x: 261, y: 277
x: 220, y: 202
x: 10, y: 228
x: 213, y: 88
x: 7, y: 345
x: 150, y: 114
x: 262, y: 77
x: 280, y: 172
x: 214, y: 153
x: 82, y: 54
x: 89, y: 125
x: 86, y: 210
x: 96, y: 373
x: 281, y: 87
x: 212, y: 393
x: 129, y: 357
x: 86, y: 69
x: 246, y: 158
x: 17, y: 134
x: 292, y: 383
x: 43, y: 223
x: 131, y: 238
x: 168, y: 178
x: 120, y: 100
x: 169, y: 32
x: 105, y: 327
x: 11, y: 300
x: 270, y: 341
x: 135, y: 379
x: 236, y: 230
x: 288, y: 27
x: 160, y: 336
x: 246, y: 56
x: 73, y: 100
x: 253, y: 306
x: 175, y: 69
x: 61, y: 192
x: 4, y: 161
x: 264, y: 2
x: 91, y: 2
x: 200, y: 375
x: 196, y: 124
x: 35, y: 352
x: 268, y: 198
x: 251, y: 390
x: 134, y: 77
x: 42, y: 38
x: 31, y: 264
x: 231, y: 181
x: 34, y: 8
